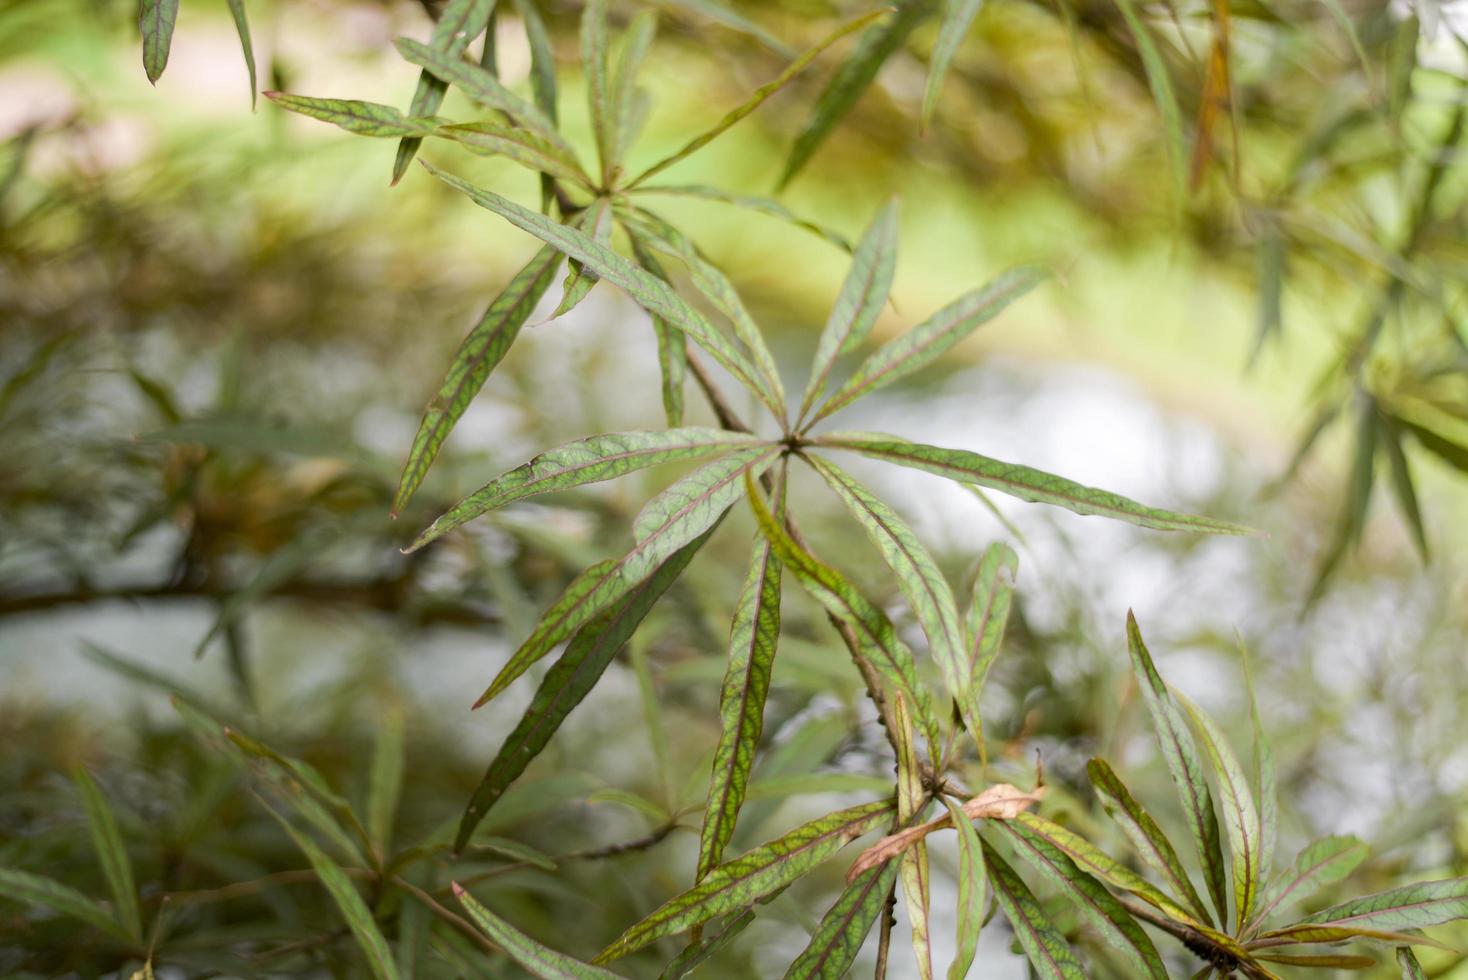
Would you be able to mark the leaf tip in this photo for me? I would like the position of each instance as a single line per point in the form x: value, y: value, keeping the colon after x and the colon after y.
x: 458, y: 889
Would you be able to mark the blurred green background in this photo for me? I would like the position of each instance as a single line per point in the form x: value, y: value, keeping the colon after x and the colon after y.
x: 218, y: 328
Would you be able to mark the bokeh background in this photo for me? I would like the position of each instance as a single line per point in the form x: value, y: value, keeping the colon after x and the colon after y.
x: 218, y: 327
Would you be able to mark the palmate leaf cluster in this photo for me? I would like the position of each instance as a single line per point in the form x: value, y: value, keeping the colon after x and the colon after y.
x: 594, y: 222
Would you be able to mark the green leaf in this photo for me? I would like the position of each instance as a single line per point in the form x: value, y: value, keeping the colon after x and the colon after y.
x: 1322, y: 863
x: 564, y: 686
x: 484, y: 347
x: 589, y: 594
x: 460, y: 22
x: 929, y: 340
x: 1105, y: 915
x: 117, y: 867
x: 710, y: 281
x: 737, y: 884
x: 482, y: 87
x: 958, y: 16
x: 597, y: 220
x: 155, y: 23
x: 31, y: 889
x: 875, y: 632
x: 972, y: 891
x: 627, y: 101
x: 1265, y: 787
x: 1145, y: 836
x: 760, y: 205
x: 594, y: 46
x: 593, y: 460
x: 386, y: 784
x: 672, y: 344
x: 1046, y: 948
x: 518, y: 144
x: 988, y: 613
x: 852, y: 79
x: 1329, y: 962
x: 917, y: 575
x: 859, y: 303
x: 1240, y: 813
x: 537, y: 959
x: 1272, y: 261
x: 1160, y: 82
x: 1184, y: 765
x: 1450, y: 452
x: 913, y: 869
x: 542, y: 59
x: 1411, y: 969
x: 654, y: 296
x: 247, y: 48
x: 1097, y: 863
x: 754, y: 634
x: 758, y: 98
x: 833, y: 947
x: 721, y: 14
x: 359, y: 917
x: 697, y: 953
x: 1402, y: 483
x: 1409, y: 907
x: 691, y: 505
x: 363, y: 118
x: 1333, y: 935
x: 1023, y: 482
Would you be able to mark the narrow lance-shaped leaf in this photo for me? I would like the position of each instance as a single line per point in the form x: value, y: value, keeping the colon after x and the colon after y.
x: 33, y: 889
x: 385, y: 787
x: 691, y: 505
x: 654, y: 296
x: 1023, y: 482
x: 591, y: 460
x: 1402, y: 484
x: 567, y: 683
x: 860, y: 302
x: 1240, y: 813
x: 958, y: 16
x: 597, y: 222
x: 913, y: 869
x: 972, y: 891
x: 926, y: 342
x: 759, y: 205
x: 697, y: 953
x: 1331, y: 961
x: 542, y: 76
x: 837, y: 940
x: 1043, y: 944
x: 1097, y: 863
x: 359, y: 917
x: 155, y: 23
x: 247, y: 47
x: 117, y: 867
x: 918, y: 576
x: 878, y: 637
x: 460, y: 22
x: 626, y: 99
x: 1411, y: 968
x: 754, y: 633
x: 484, y: 347
x: 482, y: 87
x: 1184, y: 765
x: 1101, y: 911
x: 1160, y: 82
x: 1265, y: 787
x: 594, y: 46
x: 851, y: 80
x: 536, y: 958
x: 1324, y: 862
x: 1327, y: 934
x: 739, y: 883
x: 672, y: 344
x: 1409, y: 907
x: 710, y: 280
x: 758, y: 98
x: 988, y: 613
x: 355, y: 116
x: 518, y: 144
x: 1145, y: 835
